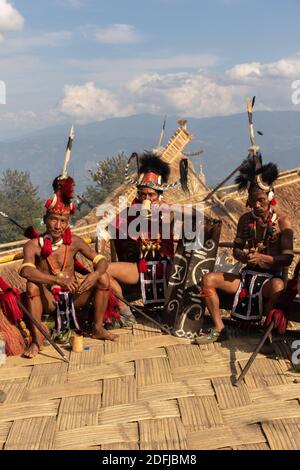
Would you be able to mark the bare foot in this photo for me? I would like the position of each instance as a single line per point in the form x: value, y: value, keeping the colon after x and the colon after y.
x: 32, y: 351
x: 101, y: 333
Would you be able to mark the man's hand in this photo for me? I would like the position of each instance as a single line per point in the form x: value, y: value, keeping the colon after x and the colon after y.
x: 68, y: 283
x: 89, y: 282
x: 279, y: 318
x: 241, y: 255
x: 256, y: 258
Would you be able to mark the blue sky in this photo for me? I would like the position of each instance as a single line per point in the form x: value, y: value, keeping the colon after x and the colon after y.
x: 88, y: 60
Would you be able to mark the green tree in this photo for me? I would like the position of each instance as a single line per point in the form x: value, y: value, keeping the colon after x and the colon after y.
x: 109, y: 174
x: 19, y: 200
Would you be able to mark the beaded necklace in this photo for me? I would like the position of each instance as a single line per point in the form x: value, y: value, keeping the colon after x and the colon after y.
x: 59, y: 272
x: 267, y: 235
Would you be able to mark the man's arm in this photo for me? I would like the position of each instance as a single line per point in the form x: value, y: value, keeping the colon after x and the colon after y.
x: 100, y: 263
x: 28, y: 269
x: 239, y: 242
x: 285, y: 257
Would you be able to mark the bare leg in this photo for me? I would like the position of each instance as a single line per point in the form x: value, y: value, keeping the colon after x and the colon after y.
x: 118, y: 290
x: 101, y: 296
x: 127, y: 273
x: 271, y: 292
x: 226, y: 282
x: 36, y: 307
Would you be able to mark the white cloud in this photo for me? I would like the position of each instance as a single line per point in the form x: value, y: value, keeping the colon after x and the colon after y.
x: 97, y: 90
x: 117, y: 34
x: 86, y: 102
x: 10, y: 18
x: 108, y: 70
x: 191, y: 94
x: 39, y: 40
x: 287, y: 68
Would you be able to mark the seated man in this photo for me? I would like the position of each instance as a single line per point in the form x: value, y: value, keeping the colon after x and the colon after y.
x: 264, y: 243
x: 146, y: 255
x: 49, y: 270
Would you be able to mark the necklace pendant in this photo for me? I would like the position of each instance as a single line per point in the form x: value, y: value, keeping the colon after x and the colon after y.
x: 61, y: 275
x: 260, y: 247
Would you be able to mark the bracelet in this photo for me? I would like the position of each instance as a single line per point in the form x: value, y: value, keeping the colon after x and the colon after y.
x: 288, y: 252
x: 27, y: 265
x: 98, y: 258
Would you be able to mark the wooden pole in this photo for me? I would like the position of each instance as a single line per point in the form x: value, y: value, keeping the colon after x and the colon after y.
x: 221, y: 184
x: 41, y: 330
x: 253, y: 357
x: 141, y: 313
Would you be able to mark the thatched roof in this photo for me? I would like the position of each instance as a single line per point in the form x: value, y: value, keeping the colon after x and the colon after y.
x: 226, y: 205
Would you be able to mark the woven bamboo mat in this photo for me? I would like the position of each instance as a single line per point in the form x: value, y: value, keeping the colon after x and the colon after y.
x: 151, y: 391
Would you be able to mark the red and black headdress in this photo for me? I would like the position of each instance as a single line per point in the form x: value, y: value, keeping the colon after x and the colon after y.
x: 61, y: 201
x: 152, y: 172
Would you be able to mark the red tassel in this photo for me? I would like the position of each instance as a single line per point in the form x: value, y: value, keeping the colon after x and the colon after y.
x: 56, y: 291
x: 14, y: 341
x: 48, y: 203
x: 243, y: 294
x: 8, y: 302
x: 274, y: 202
x: 3, y: 285
x: 47, y: 248
x: 72, y: 208
x: 280, y: 321
x: 31, y: 233
x: 143, y: 268
x: 9, y: 305
x: 67, y: 236
x: 66, y: 186
x: 80, y: 268
x: 112, y: 311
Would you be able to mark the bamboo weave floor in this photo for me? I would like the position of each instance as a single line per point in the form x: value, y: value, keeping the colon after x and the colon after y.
x: 151, y: 391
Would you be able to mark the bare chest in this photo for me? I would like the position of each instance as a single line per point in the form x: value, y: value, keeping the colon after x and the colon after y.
x: 60, y: 261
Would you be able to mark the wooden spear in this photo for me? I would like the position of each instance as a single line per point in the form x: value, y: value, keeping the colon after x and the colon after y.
x: 255, y: 149
x: 141, y: 313
x: 253, y: 357
x: 41, y: 329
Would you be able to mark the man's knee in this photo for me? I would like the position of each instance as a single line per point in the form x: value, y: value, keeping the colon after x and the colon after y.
x: 32, y: 290
x: 103, y: 283
x: 209, y: 281
x: 276, y: 285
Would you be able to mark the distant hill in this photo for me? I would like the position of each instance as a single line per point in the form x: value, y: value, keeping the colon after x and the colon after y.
x: 224, y: 140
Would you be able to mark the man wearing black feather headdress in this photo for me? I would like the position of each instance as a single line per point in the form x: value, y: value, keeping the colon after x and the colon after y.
x: 264, y: 243
x: 146, y: 256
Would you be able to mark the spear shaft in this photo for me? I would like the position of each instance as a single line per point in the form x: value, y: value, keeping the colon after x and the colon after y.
x: 255, y: 353
x: 68, y: 152
x: 12, y: 220
x: 41, y: 329
x: 143, y: 314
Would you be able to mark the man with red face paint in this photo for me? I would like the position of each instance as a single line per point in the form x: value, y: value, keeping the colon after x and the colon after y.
x: 264, y: 243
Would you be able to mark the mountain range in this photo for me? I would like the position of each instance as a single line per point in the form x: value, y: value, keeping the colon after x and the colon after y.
x: 224, y: 140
